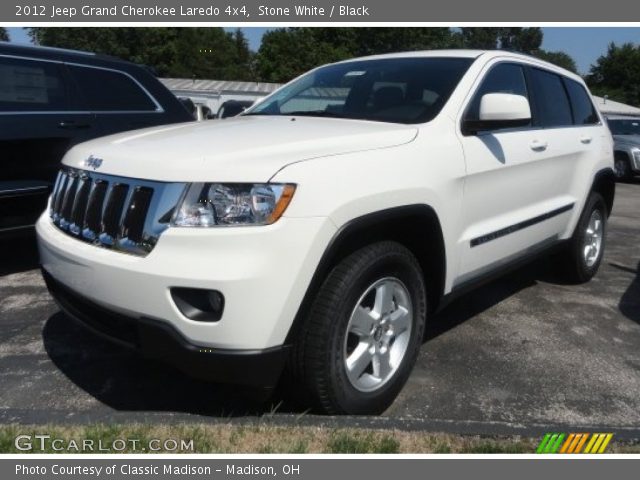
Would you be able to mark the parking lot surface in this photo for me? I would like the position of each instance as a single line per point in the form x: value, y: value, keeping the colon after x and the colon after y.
x: 523, y: 354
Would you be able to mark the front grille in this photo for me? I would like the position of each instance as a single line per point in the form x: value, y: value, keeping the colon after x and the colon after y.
x: 119, y: 213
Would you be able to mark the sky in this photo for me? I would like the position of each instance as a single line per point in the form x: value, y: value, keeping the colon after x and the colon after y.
x: 584, y: 44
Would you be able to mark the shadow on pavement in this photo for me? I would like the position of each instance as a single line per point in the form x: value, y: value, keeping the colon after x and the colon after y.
x: 483, y: 298
x: 125, y: 381
x: 630, y: 301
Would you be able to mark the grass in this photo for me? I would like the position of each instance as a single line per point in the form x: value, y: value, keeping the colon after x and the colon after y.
x: 265, y: 438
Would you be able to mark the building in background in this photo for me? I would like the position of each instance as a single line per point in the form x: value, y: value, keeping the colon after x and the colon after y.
x: 214, y: 93
x: 609, y: 107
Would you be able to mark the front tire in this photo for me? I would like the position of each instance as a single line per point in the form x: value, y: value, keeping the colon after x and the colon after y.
x: 584, y: 253
x: 363, y: 332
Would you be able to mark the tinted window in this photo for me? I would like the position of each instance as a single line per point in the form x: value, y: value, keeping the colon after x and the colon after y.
x: 31, y: 86
x: 629, y: 126
x: 503, y: 78
x: 551, y: 98
x: 584, y: 112
x: 108, y: 91
x: 400, y: 90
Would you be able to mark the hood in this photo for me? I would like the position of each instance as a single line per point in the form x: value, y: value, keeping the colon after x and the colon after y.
x: 243, y: 149
x: 627, y: 139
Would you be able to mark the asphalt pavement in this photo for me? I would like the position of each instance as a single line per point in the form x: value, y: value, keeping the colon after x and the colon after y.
x: 522, y: 355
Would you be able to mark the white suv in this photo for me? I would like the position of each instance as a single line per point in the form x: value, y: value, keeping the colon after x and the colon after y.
x: 321, y: 229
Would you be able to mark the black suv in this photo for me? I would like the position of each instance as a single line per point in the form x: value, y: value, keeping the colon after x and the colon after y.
x: 51, y: 99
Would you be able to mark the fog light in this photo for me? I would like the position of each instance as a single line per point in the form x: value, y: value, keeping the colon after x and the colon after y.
x: 216, y: 300
x: 199, y: 304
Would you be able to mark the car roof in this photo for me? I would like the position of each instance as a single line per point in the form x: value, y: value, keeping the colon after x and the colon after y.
x: 62, y: 55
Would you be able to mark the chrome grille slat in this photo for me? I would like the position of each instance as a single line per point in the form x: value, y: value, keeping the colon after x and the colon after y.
x: 67, y: 202
x: 133, y: 223
x: 93, y: 215
x: 57, y: 202
x: 123, y: 214
x: 80, y: 205
x: 113, y: 213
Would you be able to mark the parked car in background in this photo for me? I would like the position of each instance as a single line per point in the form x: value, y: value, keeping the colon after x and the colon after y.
x: 199, y: 111
x: 203, y: 112
x: 52, y: 99
x: 232, y: 108
x: 626, y: 136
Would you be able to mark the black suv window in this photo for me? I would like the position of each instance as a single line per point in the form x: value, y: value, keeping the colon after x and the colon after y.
x: 584, y: 112
x: 503, y: 78
x: 552, y: 101
x: 31, y: 86
x: 110, y: 91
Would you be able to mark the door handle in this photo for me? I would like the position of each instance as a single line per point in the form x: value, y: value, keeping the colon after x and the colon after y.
x: 71, y: 124
x: 585, y: 139
x: 538, y: 146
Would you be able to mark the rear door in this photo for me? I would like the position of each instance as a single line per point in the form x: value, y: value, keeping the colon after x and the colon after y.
x: 117, y: 99
x: 516, y: 197
x: 39, y: 121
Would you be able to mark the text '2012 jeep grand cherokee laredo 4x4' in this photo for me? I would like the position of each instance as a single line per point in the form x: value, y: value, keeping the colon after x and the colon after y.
x: 319, y: 230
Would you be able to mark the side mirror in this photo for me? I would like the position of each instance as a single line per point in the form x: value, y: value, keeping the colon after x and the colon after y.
x: 500, y: 110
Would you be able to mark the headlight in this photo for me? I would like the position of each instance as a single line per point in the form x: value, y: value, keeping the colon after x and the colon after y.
x: 212, y: 204
x: 636, y: 155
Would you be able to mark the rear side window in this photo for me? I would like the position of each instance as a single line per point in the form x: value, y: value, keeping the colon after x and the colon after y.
x: 584, y: 112
x: 552, y: 101
x: 503, y: 78
x: 110, y: 91
x: 31, y: 86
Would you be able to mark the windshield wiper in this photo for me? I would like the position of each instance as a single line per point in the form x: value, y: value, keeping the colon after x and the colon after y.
x: 313, y: 113
x: 258, y: 113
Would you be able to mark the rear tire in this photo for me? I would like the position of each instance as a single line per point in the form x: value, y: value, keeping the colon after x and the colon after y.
x: 583, y: 255
x: 622, y: 167
x: 363, y: 332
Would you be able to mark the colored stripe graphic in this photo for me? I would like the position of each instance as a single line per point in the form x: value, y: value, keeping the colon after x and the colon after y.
x: 574, y: 443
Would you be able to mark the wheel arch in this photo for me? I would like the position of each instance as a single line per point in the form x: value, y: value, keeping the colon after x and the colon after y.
x: 417, y: 227
x: 604, y: 182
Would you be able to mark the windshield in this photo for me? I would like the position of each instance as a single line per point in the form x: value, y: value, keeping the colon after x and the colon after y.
x: 629, y: 126
x: 399, y: 90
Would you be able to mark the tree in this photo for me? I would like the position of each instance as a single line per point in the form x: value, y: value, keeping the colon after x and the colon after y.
x: 616, y: 74
x: 4, y: 36
x: 561, y: 59
x: 524, y: 40
x: 483, y: 38
x: 176, y: 52
x: 288, y: 52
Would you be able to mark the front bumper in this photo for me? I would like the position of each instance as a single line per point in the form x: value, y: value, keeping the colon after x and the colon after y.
x: 160, y: 341
x: 263, y: 273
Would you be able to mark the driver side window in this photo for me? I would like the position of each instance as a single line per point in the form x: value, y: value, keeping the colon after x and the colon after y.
x: 503, y: 78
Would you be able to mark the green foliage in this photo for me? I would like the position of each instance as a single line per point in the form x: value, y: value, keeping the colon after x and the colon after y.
x: 483, y: 38
x: 172, y: 52
x: 496, y: 447
x: 518, y: 39
x: 617, y: 74
x: 4, y: 35
x: 557, y: 58
x: 357, y: 442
